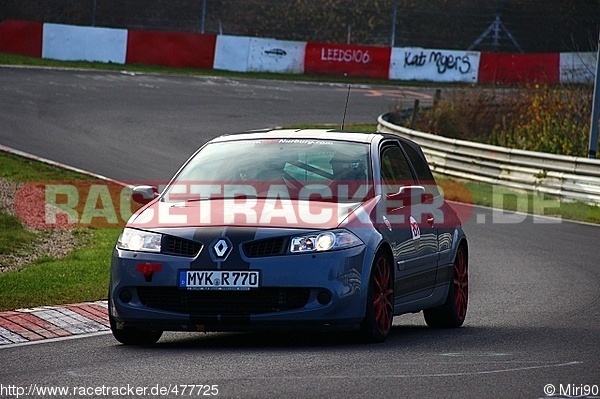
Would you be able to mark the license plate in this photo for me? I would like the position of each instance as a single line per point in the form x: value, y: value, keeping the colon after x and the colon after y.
x: 218, y: 279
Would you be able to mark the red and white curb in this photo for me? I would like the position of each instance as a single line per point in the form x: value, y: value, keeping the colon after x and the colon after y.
x: 53, y: 322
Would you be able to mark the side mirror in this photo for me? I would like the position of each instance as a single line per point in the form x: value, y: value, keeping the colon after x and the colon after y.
x: 144, y: 194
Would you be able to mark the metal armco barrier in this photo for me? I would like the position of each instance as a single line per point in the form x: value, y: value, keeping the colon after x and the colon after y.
x: 571, y: 178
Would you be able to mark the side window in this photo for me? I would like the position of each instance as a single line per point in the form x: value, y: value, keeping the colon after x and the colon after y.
x: 424, y: 175
x: 395, y: 170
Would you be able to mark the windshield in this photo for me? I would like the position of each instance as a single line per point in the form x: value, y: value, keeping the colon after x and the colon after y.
x: 283, y: 168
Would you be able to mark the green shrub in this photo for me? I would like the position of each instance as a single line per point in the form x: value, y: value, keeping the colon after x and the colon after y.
x: 552, y: 119
x: 548, y: 119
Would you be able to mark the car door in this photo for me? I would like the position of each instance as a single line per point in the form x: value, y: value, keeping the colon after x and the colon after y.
x: 413, y: 236
x: 438, y: 211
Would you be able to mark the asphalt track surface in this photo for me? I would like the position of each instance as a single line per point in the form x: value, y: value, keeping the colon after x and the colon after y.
x: 534, y: 309
x: 128, y: 126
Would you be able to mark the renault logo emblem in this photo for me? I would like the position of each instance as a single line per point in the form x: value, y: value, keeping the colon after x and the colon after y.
x: 221, y: 249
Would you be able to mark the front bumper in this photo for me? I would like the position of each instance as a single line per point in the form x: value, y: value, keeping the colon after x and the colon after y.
x: 313, y: 291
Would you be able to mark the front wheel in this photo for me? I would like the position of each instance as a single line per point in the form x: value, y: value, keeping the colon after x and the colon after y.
x: 453, y: 312
x: 134, y: 336
x: 380, y: 301
x: 131, y: 336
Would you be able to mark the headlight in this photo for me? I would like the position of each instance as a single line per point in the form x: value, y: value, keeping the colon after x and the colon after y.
x: 325, y: 241
x: 138, y: 240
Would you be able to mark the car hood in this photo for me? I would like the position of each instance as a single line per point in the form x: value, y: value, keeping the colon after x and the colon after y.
x: 252, y: 212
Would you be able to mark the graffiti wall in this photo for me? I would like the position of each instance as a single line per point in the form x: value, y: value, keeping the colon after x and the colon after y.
x: 434, y: 65
x: 244, y: 54
x: 347, y: 60
x: 279, y: 56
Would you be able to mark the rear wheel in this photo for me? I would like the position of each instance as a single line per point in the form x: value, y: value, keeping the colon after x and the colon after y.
x: 380, y: 301
x: 453, y: 312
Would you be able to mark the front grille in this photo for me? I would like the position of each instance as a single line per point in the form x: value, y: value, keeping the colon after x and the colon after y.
x: 180, y: 246
x: 262, y: 300
x: 268, y: 247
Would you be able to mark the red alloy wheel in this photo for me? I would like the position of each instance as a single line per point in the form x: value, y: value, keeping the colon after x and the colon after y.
x: 461, y: 285
x: 383, y: 293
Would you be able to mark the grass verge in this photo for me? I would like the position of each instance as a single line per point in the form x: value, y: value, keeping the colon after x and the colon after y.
x: 14, y: 238
x: 23, y: 170
x: 516, y: 200
x: 80, y: 276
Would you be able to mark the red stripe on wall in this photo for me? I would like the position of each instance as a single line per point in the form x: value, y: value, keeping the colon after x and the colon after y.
x: 347, y: 60
x: 174, y: 49
x: 497, y: 68
x: 21, y: 37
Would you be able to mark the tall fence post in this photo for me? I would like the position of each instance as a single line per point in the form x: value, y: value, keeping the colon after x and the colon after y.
x: 595, y: 108
x: 394, y: 17
x: 349, y: 36
x: 203, y: 16
x: 94, y: 13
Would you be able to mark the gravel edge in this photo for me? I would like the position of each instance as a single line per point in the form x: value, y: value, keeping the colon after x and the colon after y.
x: 51, y: 242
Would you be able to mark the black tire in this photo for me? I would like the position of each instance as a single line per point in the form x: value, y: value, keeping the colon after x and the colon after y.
x: 454, y: 310
x: 377, y: 324
x: 132, y: 336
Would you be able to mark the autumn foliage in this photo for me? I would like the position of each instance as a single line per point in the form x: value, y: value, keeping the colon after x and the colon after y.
x: 545, y: 118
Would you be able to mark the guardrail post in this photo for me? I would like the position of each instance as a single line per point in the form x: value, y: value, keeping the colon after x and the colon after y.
x: 436, y: 98
x: 414, y: 114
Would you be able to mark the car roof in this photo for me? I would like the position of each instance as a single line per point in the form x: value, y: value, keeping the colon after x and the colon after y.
x: 302, y: 134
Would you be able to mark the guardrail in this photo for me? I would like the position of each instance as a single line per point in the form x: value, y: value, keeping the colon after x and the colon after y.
x: 571, y: 178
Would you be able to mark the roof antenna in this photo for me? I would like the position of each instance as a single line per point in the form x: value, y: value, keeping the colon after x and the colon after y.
x: 346, y: 107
